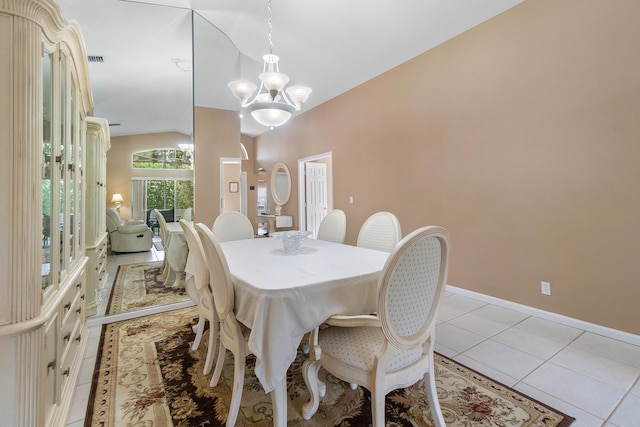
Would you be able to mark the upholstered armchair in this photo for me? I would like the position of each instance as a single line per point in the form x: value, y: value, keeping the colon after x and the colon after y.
x: 129, y: 236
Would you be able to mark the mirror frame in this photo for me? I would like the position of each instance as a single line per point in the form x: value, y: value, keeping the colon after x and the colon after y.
x: 280, y: 202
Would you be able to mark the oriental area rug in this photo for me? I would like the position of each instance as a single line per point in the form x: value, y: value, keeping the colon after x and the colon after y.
x: 147, y: 375
x: 140, y: 285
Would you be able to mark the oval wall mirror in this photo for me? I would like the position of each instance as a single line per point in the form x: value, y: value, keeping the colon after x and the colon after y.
x: 280, y: 186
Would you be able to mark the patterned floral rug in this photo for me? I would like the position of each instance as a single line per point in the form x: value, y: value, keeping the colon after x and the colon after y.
x: 139, y: 285
x: 147, y: 375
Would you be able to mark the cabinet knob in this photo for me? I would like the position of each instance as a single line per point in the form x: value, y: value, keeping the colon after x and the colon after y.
x: 66, y: 372
x: 79, y: 310
x: 79, y: 337
x: 67, y: 337
x: 51, y: 366
x: 67, y: 306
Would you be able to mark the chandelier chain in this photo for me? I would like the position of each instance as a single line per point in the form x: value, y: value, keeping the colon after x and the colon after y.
x: 270, y: 28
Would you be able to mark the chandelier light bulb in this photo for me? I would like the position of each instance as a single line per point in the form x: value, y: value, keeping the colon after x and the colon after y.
x: 242, y: 89
x: 298, y: 94
x: 274, y: 81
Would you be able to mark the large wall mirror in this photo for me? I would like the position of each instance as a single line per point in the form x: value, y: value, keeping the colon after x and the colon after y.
x: 143, y: 58
x: 280, y: 186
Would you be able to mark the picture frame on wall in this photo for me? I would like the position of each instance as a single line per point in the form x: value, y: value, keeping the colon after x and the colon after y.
x: 233, y: 187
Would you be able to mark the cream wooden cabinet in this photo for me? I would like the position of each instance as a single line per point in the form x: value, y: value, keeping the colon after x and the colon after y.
x: 275, y: 222
x: 97, y: 144
x: 45, y: 99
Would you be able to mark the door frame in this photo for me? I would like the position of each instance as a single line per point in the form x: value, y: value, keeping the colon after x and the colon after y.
x: 302, y: 188
x: 242, y: 179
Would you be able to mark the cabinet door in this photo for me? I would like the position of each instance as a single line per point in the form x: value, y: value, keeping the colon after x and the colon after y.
x: 70, y: 149
x: 61, y: 242
x: 47, y: 161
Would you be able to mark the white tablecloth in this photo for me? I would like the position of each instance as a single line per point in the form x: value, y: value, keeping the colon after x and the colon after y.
x: 177, y: 249
x: 282, y: 296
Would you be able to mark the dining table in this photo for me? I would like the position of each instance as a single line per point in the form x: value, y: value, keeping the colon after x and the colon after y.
x: 283, y: 295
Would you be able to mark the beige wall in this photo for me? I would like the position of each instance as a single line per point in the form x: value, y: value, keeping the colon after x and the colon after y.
x: 120, y: 172
x: 217, y: 134
x: 521, y: 136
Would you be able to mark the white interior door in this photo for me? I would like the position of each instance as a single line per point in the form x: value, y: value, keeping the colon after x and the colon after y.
x: 316, y: 195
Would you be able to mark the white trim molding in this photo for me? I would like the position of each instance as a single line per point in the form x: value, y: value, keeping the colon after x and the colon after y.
x: 553, y: 317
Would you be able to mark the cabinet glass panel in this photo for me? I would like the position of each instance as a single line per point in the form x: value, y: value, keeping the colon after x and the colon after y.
x: 63, y: 132
x: 80, y: 160
x: 47, y: 106
x: 71, y: 172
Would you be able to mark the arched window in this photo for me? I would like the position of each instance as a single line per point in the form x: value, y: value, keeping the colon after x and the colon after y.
x: 163, y: 158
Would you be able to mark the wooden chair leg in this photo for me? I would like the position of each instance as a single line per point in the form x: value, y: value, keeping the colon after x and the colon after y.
x: 213, y: 342
x: 236, y: 394
x: 432, y: 395
x: 199, y: 331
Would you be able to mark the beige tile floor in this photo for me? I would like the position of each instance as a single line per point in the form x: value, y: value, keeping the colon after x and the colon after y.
x: 590, y: 377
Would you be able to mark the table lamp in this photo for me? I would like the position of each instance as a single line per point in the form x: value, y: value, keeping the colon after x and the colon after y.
x: 117, y: 199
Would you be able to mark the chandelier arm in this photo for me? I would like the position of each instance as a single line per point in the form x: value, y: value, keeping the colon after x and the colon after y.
x: 255, y: 96
x: 285, y: 96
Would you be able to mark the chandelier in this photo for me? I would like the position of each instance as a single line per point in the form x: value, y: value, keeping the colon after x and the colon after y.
x: 272, y: 105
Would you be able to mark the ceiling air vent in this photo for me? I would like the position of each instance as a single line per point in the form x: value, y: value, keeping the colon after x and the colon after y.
x: 95, y: 58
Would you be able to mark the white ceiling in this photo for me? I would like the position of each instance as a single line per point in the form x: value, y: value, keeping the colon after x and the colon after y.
x: 329, y: 45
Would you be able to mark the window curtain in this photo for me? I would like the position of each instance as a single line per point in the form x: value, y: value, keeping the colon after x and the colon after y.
x: 139, y: 199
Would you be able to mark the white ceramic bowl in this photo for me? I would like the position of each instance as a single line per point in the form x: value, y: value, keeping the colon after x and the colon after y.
x: 291, y: 239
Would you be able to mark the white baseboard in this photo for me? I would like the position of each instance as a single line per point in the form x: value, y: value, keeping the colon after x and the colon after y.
x: 553, y: 317
x: 117, y: 317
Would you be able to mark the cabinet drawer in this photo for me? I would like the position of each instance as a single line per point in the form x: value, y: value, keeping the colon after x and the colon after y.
x: 69, y: 355
x: 102, y: 250
x: 71, y: 313
x: 67, y: 332
x: 101, y: 258
x: 50, y: 368
x: 73, y: 301
x: 102, y: 264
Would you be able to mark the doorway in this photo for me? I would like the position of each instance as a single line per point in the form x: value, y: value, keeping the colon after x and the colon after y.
x: 233, y: 183
x: 315, y: 190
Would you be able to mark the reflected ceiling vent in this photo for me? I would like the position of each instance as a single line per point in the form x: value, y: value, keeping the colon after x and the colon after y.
x: 95, y: 58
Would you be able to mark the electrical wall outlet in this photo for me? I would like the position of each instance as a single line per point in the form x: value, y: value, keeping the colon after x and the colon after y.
x: 545, y: 288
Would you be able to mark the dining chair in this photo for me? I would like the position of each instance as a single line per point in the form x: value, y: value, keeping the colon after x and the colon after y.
x: 333, y: 227
x: 188, y: 214
x: 164, y: 238
x: 233, y: 335
x: 197, y: 287
x: 394, y: 348
x: 381, y: 231
x: 232, y: 226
